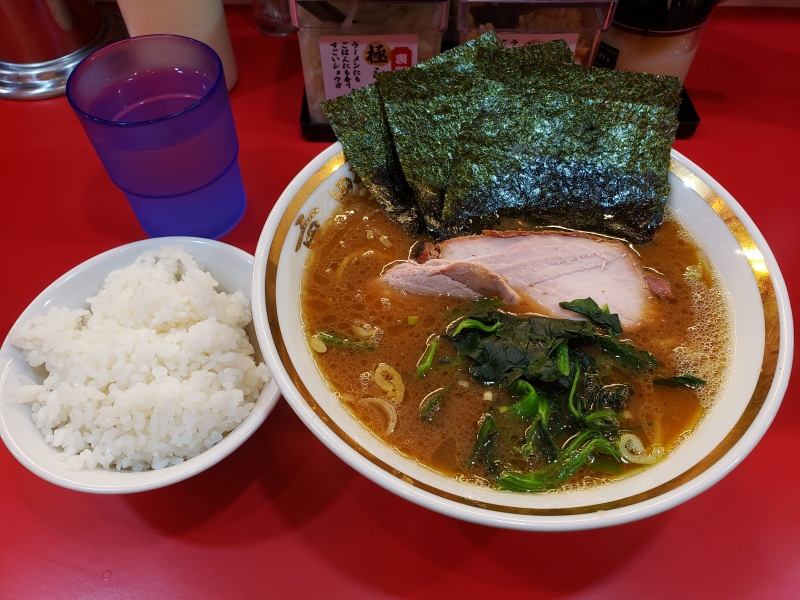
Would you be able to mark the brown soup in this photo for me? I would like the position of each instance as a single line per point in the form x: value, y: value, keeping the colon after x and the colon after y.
x: 689, y: 333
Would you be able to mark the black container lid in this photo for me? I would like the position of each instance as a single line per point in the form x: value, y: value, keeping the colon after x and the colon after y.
x: 662, y: 16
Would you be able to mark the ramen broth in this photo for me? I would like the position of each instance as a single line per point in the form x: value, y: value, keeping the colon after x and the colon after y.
x: 341, y: 292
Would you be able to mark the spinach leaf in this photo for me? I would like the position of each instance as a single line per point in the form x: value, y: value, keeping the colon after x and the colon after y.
x: 601, y: 317
x: 571, y: 459
x: 506, y: 347
x: 478, y: 307
x: 474, y: 324
x: 613, y: 397
x: 484, y: 446
x: 562, y: 357
x: 528, y: 406
x: 689, y: 381
x: 556, y: 379
x: 627, y: 354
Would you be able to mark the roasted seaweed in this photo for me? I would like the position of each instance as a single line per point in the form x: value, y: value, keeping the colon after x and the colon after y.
x: 482, y: 132
x: 359, y: 121
x: 579, y: 147
x: 427, y: 106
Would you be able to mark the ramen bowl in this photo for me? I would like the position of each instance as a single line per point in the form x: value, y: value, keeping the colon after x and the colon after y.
x: 762, y: 355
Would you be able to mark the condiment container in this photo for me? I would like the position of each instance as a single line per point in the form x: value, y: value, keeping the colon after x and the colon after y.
x: 273, y: 17
x: 520, y: 22
x: 41, y: 42
x: 653, y: 36
x: 202, y: 20
x: 344, y: 44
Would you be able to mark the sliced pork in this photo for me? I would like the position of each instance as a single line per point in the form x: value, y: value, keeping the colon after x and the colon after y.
x: 534, y: 270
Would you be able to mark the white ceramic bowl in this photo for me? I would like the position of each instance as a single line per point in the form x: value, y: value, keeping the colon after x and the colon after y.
x: 762, y: 321
x: 231, y: 267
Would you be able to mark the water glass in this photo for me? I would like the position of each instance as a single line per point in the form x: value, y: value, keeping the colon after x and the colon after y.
x: 157, y: 112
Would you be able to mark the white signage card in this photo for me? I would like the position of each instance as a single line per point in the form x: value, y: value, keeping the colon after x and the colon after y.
x: 351, y: 62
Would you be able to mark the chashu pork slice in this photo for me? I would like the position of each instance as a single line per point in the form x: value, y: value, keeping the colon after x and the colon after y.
x: 533, y: 270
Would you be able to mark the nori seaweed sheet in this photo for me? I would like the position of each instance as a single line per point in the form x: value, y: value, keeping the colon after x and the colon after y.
x: 426, y: 106
x: 359, y: 121
x: 578, y: 147
x: 482, y: 132
x: 523, y: 65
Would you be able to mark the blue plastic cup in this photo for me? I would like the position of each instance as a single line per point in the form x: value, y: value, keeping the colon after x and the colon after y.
x: 157, y: 112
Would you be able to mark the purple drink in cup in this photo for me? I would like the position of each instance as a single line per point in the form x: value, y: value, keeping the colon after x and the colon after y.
x: 157, y: 112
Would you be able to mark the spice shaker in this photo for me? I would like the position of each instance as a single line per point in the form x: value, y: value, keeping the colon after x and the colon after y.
x: 519, y: 22
x: 654, y: 36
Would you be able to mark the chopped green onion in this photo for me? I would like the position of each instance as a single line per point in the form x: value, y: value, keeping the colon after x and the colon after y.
x: 429, y: 402
x: 694, y: 271
x: 426, y: 360
x: 632, y: 450
x: 331, y: 339
x: 474, y: 324
x: 572, y: 392
x: 413, y: 320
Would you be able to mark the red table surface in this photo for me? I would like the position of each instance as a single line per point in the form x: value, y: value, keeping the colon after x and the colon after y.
x: 283, y: 516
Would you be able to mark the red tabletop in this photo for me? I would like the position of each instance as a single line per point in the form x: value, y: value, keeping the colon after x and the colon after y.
x: 283, y: 516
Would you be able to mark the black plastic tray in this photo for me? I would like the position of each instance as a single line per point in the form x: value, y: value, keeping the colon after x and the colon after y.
x: 688, y: 119
x: 314, y: 132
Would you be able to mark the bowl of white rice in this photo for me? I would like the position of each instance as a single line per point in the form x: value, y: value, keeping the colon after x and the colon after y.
x: 137, y: 369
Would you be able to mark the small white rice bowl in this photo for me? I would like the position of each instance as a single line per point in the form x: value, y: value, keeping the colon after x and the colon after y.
x: 149, y: 374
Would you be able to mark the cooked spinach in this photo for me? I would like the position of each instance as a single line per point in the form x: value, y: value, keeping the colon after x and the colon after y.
x: 600, y: 316
x: 484, y: 446
x: 550, y: 369
x: 506, y: 347
x: 627, y: 354
x: 689, y: 381
x: 535, y: 407
x: 474, y: 324
x: 562, y: 357
x: 528, y: 406
x: 572, y: 458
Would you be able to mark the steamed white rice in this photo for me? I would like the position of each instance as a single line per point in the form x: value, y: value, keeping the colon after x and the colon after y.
x: 159, y: 369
